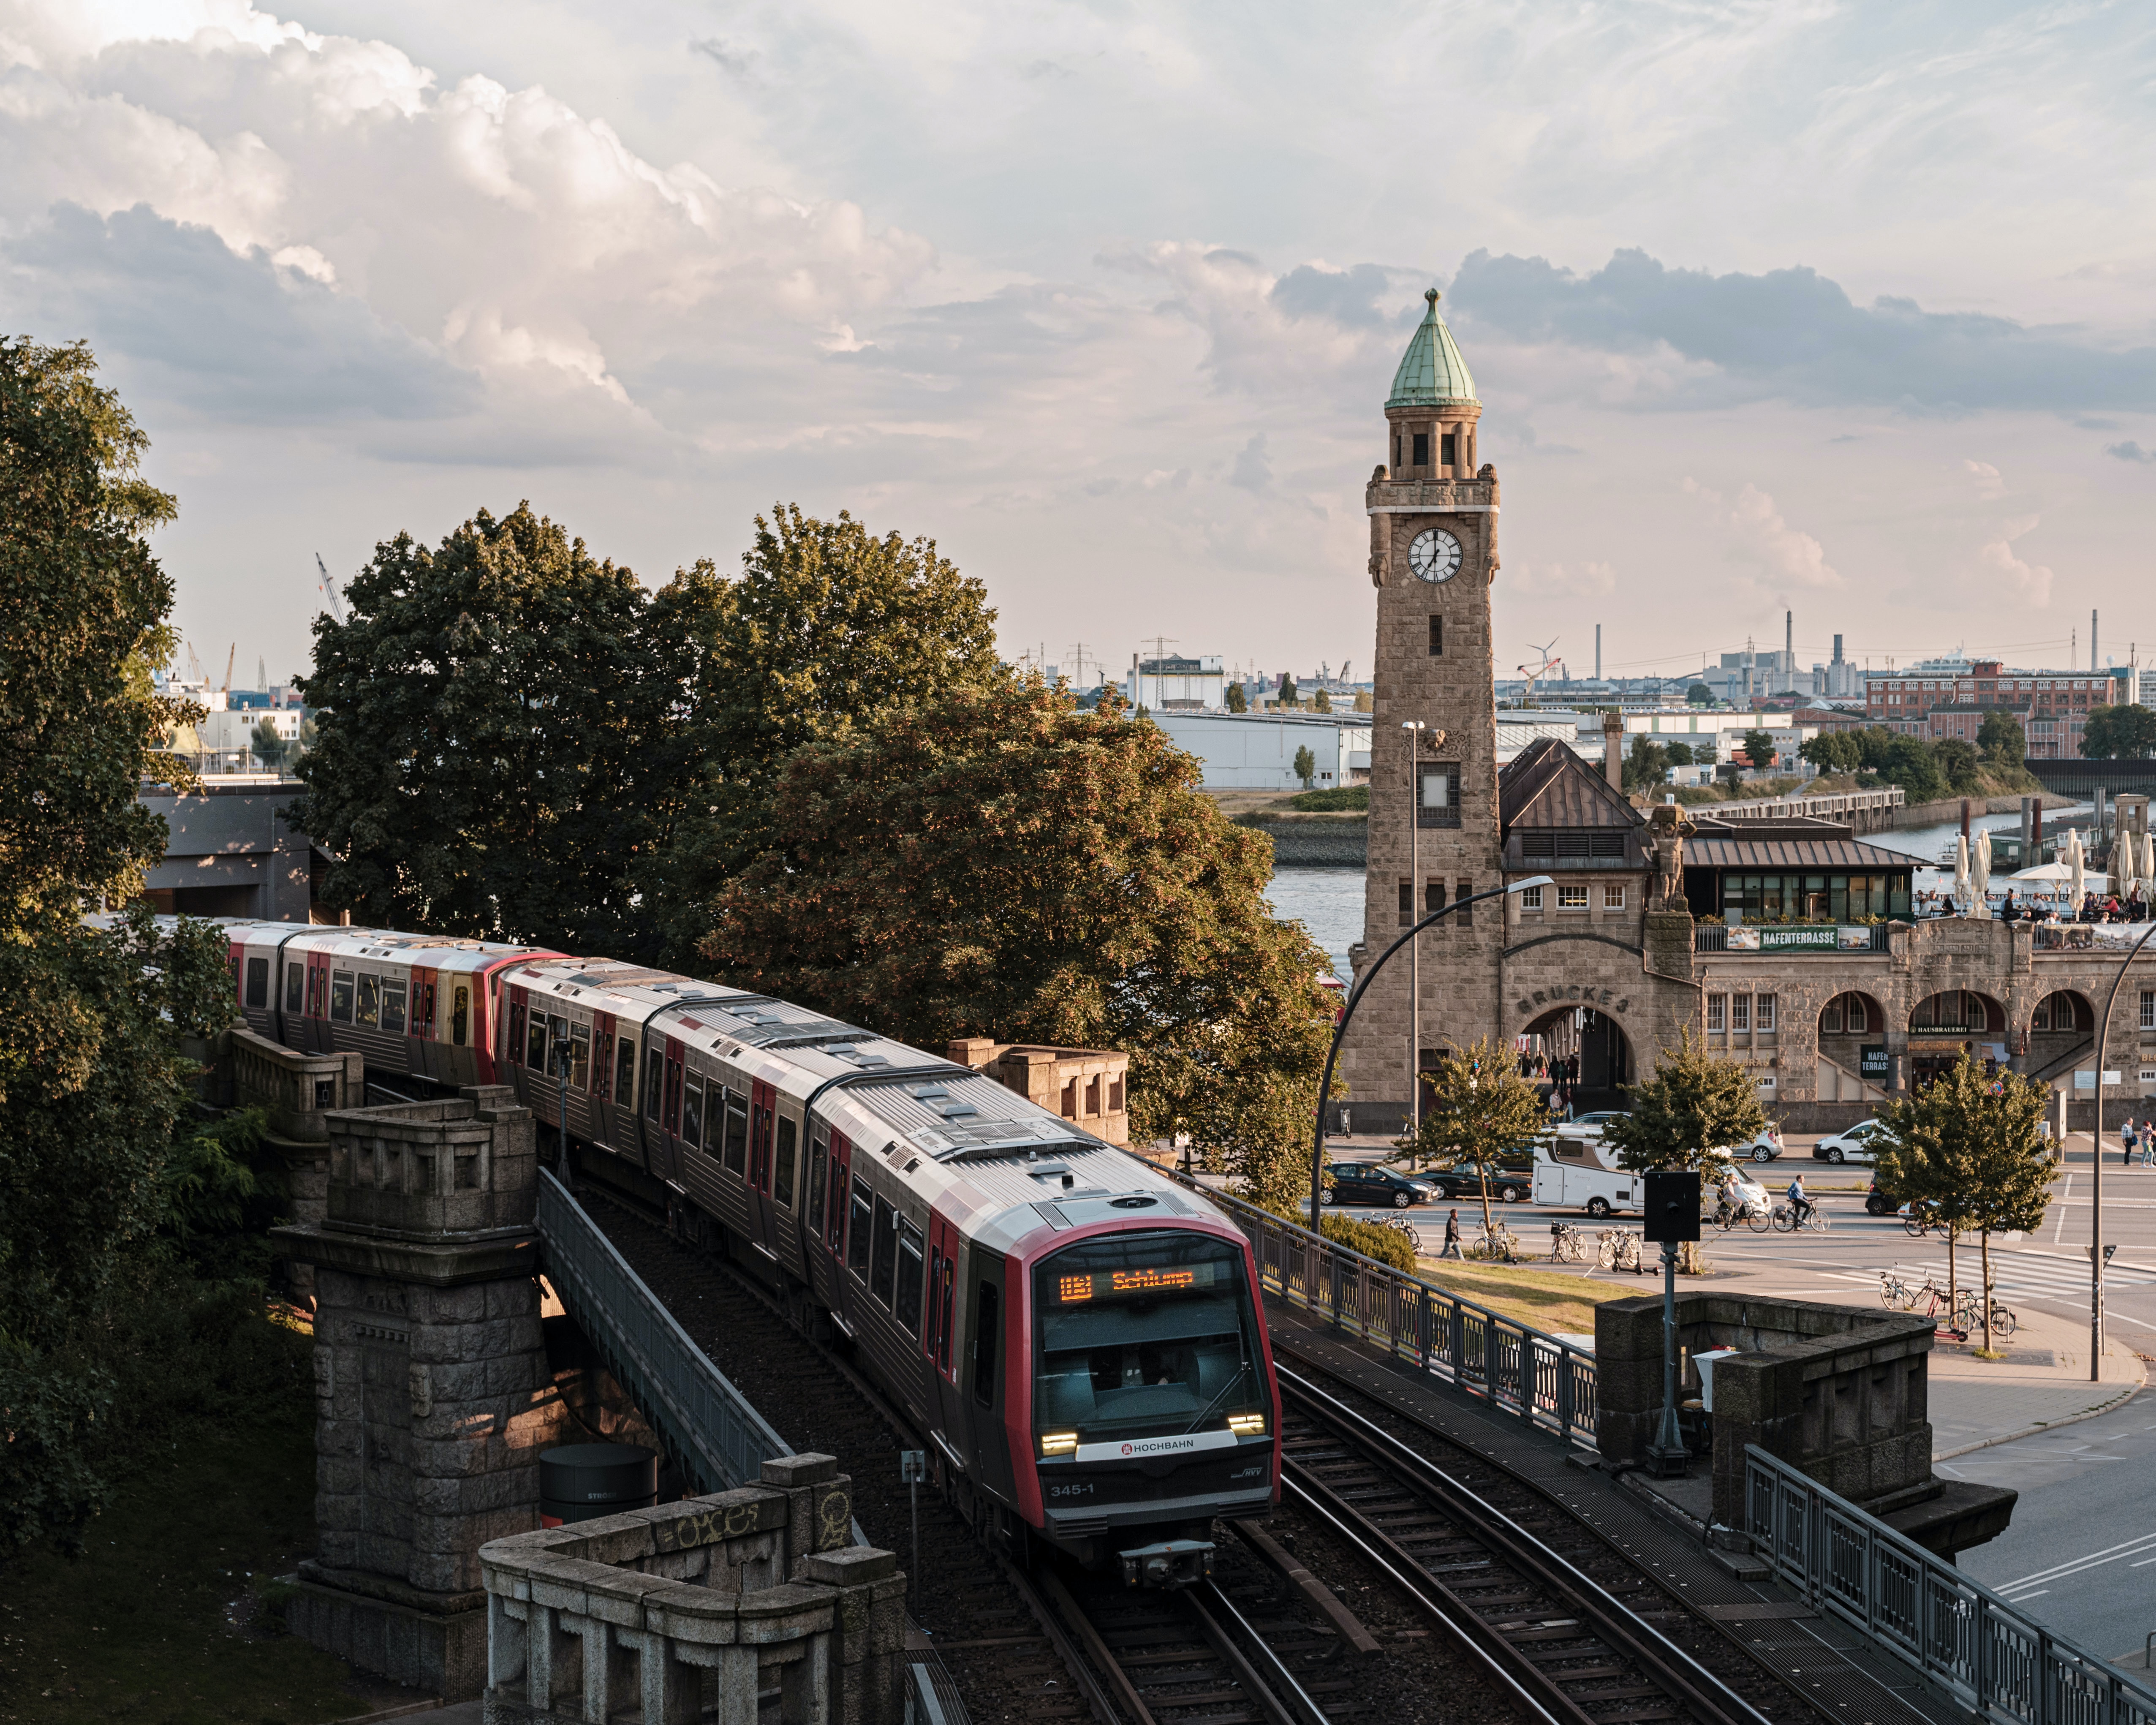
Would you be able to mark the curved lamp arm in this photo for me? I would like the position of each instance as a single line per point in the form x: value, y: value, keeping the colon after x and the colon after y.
x: 1347, y: 1017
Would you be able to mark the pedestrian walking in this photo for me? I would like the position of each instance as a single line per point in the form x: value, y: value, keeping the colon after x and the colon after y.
x: 1451, y: 1234
x: 2126, y: 1143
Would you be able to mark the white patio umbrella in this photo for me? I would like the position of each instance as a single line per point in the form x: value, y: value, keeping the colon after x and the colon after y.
x: 1961, y: 869
x: 2076, y: 866
x: 1980, y: 902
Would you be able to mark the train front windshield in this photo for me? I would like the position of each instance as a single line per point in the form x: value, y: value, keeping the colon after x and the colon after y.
x: 1145, y: 1336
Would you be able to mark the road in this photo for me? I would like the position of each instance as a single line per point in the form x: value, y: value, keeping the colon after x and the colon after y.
x: 2080, y: 1554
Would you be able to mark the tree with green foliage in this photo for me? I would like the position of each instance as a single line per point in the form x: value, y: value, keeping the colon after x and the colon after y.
x: 1699, y: 695
x: 93, y: 1082
x: 1237, y: 701
x: 1833, y: 752
x: 1287, y: 695
x: 269, y: 748
x: 1958, y: 763
x: 1690, y: 1114
x: 994, y: 862
x: 482, y: 711
x: 1321, y: 703
x: 1970, y: 1149
x: 1306, y: 766
x: 1477, y: 1108
x: 2003, y: 742
x: 1680, y: 753
x: 1759, y: 749
x: 2126, y: 732
x: 1647, y: 763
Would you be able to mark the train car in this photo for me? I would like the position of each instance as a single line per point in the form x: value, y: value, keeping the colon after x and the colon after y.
x: 1080, y: 1337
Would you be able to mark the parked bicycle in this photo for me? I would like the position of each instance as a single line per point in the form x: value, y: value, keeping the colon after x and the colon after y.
x: 1617, y: 1249
x: 1786, y: 1221
x: 1498, y: 1245
x: 1568, y: 1244
x: 1895, y: 1294
x: 1399, y: 1224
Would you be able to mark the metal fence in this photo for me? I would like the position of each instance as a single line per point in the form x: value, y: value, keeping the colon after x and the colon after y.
x: 709, y: 1426
x: 1541, y: 1377
x: 1966, y: 1639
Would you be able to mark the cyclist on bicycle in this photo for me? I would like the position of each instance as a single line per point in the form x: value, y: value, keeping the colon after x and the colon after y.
x: 1731, y: 1205
x: 1800, y: 1206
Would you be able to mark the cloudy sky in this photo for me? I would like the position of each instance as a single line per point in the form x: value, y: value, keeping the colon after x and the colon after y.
x: 1843, y: 308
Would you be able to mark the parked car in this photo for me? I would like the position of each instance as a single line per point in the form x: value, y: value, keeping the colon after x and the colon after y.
x: 1853, y: 1145
x: 1875, y: 1202
x: 1509, y: 1181
x: 1766, y: 1147
x: 1588, y: 1125
x: 1368, y: 1183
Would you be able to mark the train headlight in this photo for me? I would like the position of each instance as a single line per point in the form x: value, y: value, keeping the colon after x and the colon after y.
x: 1247, y: 1424
x: 1059, y: 1443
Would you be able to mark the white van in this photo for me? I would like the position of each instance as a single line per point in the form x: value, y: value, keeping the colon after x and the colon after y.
x: 1581, y: 1173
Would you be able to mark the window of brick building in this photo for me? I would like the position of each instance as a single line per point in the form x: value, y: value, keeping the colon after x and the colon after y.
x: 1437, y: 638
x: 1571, y: 898
x: 1740, y: 1014
x: 1464, y: 916
x: 1613, y: 898
x: 1717, y: 1014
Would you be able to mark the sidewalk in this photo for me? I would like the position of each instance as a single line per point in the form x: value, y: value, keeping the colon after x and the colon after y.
x: 2042, y: 1383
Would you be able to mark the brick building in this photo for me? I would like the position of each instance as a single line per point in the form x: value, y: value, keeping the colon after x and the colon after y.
x: 2053, y: 706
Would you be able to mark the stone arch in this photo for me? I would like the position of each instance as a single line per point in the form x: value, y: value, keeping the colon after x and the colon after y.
x: 2061, y: 1023
x: 1944, y: 1025
x: 1597, y: 1040
x: 1849, y: 1023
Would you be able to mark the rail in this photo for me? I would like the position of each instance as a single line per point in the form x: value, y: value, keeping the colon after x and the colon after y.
x: 1964, y: 1639
x: 1827, y: 939
x: 706, y: 1423
x: 1541, y: 1377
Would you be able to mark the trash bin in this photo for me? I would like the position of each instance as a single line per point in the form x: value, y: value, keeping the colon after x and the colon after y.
x: 580, y: 1482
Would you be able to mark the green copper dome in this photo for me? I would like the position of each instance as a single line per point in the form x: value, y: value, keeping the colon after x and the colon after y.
x: 1431, y: 371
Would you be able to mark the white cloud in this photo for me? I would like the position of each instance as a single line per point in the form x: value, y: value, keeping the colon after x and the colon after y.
x: 2006, y: 572
x: 1989, y: 485
x: 1788, y: 558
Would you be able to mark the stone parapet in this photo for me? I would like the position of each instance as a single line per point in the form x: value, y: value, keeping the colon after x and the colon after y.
x: 441, y: 1170
x: 693, y: 1609
x: 298, y: 1091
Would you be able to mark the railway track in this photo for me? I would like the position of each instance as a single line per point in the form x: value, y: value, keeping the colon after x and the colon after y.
x: 1574, y: 1632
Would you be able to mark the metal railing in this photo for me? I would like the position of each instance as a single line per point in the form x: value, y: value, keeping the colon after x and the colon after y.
x: 1541, y: 1377
x: 1967, y: 1640
x: 709, y: 1426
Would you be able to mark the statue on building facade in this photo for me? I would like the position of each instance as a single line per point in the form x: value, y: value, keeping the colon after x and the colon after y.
x: 1667, y: 828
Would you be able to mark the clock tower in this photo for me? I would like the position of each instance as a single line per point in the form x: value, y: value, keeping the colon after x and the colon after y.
x: 1433, y: 833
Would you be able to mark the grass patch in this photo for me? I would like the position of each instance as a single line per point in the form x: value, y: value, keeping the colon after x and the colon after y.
x: 166, y: 1619
x: 1547, y: 1300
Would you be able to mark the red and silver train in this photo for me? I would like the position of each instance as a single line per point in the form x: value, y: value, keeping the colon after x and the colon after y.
x: 1079, y: 1336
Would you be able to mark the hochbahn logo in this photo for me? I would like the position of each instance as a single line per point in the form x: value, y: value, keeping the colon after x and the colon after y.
x: 1156, y: 1446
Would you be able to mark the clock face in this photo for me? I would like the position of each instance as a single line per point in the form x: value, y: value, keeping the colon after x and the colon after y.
x: 1434, y: 555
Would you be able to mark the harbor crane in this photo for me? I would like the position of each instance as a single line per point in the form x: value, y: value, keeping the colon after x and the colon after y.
x: 329, y: 593
x: 1545, y: 655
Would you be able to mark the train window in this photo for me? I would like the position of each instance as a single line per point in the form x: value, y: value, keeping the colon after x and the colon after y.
x: 815, y: 1217
x: 258, y: 982
x: 692, y: 1110
x: 601, y: 1060
x: 314, y: 992
x: 369, y: 1011
x: 460, y: 1018
x: 737, y: 1134
x: 947, y: 1279
x: 885, y: 1262
x: 392, y: 1005
x: 909, y: 1272
x: 340, y: 997
x: 516, y: 1032
x: 295, y: 979
x: 857, y: 1239
x: 624, y: 1074
x: 987, y: 1334
x: 834, y: 1216
x: 781, y: 1178
x: 580, y: 1057
x: 535, y: 1046
x: 653, y: 1075
x: 673, y: 1093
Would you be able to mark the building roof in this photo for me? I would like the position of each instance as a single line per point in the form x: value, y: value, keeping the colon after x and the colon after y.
x: 1775, y: 853
x: 1431, y: 371
x: 1546, y: 785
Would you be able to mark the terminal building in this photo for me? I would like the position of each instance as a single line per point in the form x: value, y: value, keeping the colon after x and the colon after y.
x: 1786, y: 943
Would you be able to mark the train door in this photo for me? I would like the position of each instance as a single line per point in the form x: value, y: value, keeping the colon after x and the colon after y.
x: 789, y: 1169
x: 602, y: 1039
x: 838, y: 1206
x: 815, y: 1193
x: 669, y: 1113
x: 314, y: 1037
x: 424, y: 1043
x: 516, y: 1070
x: 939, y: 1333
x: 763, y: 1108
x: 290, y: 977
x: 990, y: 1300
x: 256, y: 995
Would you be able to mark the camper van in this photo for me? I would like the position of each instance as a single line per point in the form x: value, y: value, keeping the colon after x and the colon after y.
x: 1580, y: 1173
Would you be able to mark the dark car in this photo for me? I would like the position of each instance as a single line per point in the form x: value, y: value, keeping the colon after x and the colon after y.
x: 1365, y: 1183
x: 1510, y: 1181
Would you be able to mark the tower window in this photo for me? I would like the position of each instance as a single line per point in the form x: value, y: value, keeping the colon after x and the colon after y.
x: 1437, y: 638
x: 1433, y: 896
x: 1447, y: 450
x: 1422, y: 449
x: 1463, y: 913
x: 1407, y: 904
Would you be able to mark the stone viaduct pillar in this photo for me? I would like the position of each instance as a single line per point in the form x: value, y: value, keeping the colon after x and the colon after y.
x: 433, y: 1393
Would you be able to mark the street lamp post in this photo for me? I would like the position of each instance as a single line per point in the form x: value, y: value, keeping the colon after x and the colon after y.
x: 1416, y: 905
x: 1347, y: 1017
x: 2096, y: 1140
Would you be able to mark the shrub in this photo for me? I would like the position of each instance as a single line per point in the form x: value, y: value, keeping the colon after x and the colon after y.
x: 1383, y: 1243
x: 1331, y: 800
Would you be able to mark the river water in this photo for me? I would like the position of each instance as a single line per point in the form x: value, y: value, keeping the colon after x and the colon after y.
x: 1328, y: 902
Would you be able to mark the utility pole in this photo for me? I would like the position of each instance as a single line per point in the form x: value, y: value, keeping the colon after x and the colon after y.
x: 1077, y: 651
x: 1415, y: 729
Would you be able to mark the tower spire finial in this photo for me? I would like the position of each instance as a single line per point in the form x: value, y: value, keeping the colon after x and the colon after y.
x: 1432, y: 295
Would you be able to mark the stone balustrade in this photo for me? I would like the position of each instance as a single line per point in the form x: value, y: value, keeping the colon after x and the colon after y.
x: 298, y: 1091
x: 457, y: 1168
x: 696, y: 1609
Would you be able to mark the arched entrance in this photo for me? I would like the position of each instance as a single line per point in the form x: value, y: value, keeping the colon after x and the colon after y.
x: 1852, y: 1049
x: 1583, y: 1051
x: 1943, y: 1027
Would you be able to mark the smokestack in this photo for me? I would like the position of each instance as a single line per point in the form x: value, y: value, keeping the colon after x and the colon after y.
x: 1598, y: 652
x: 1789, y: 647
x: 1837, y: 650
x: 2095, y: 663
x: 1613, y: 751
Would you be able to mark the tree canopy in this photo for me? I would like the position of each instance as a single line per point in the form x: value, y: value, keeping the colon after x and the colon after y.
x: 994, y: 862
x: 2126, y: 731
x: 1690, y: 1114
x: 2002, y: 739
x: 1478, y: 1107
x: 1236, y: 700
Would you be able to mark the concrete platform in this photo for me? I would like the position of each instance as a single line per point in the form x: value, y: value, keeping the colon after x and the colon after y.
x: 2042, y: 1383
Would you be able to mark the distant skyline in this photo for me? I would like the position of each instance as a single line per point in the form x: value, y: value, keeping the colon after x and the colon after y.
x: 1803, y: 305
